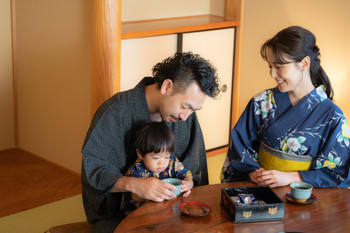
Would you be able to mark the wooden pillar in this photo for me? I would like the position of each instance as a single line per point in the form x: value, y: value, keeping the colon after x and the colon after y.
x: 106, y: 43
x: 234, y: 10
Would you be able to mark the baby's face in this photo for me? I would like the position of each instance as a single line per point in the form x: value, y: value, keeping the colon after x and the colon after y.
x: 157, y: 162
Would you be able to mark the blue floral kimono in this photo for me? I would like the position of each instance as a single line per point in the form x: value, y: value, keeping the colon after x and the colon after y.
x: 175, y: 169
x: 313, y: 136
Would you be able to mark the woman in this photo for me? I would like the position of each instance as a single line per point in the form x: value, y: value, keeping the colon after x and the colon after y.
x: 293, y: 132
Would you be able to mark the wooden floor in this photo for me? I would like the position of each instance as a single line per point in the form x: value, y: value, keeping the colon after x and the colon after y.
x: 26, y: 181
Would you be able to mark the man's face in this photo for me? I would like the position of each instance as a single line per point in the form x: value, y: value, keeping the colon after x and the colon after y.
x: 180, y: 105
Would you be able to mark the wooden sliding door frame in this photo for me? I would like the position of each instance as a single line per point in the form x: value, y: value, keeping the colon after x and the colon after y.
x: 14, y: 73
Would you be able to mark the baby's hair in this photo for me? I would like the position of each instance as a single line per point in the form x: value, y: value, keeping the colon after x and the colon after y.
x: 154, y: 137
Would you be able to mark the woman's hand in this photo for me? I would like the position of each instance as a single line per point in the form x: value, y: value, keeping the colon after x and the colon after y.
x: 187, y: 185
x: 274, y: 178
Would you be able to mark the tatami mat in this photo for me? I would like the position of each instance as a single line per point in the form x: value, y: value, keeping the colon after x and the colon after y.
x: 214, y: 164
x: 40, y: 219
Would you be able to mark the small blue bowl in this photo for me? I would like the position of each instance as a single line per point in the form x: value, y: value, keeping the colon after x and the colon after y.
x: 176, y: 182
x: 301, y: 191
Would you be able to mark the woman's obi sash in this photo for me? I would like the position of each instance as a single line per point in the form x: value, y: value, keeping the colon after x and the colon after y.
x: 272, y: 159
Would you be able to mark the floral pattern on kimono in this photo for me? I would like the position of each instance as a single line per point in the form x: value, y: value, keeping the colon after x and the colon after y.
x: 175, y: 169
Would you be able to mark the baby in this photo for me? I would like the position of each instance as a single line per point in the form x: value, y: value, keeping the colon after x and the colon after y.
x: 154, y: 145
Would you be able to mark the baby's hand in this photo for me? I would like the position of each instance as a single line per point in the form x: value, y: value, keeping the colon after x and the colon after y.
x: 187, y: 185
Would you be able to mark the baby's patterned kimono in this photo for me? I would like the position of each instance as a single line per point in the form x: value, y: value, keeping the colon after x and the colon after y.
x: 175, y: 170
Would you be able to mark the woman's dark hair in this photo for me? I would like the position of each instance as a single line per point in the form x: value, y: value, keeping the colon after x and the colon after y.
x: 154, y: 137
x: 296, y: 43
x: 184, y: 69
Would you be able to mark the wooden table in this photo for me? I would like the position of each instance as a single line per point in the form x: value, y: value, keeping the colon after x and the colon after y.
x: 330, y: 213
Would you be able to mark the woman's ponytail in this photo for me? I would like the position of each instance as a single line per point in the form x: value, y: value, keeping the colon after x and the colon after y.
x: 318, y: 75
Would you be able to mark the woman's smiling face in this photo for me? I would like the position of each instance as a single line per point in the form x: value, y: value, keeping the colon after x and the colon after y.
x: 288, y: 76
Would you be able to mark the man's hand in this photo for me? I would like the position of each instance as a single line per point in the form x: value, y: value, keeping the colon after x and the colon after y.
x: 274, y: 178
x: 146, y: 188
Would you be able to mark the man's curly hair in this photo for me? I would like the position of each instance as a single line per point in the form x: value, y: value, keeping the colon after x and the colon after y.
x: 184, y: 69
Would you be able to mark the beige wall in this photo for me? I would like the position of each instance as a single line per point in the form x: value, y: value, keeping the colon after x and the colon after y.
x: 53, y: 73
x: 135, y: 9
x: 6, y: 84
x: 329, y: 20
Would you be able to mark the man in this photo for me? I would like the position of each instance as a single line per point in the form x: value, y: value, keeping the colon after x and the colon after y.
x: 178, y: 89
